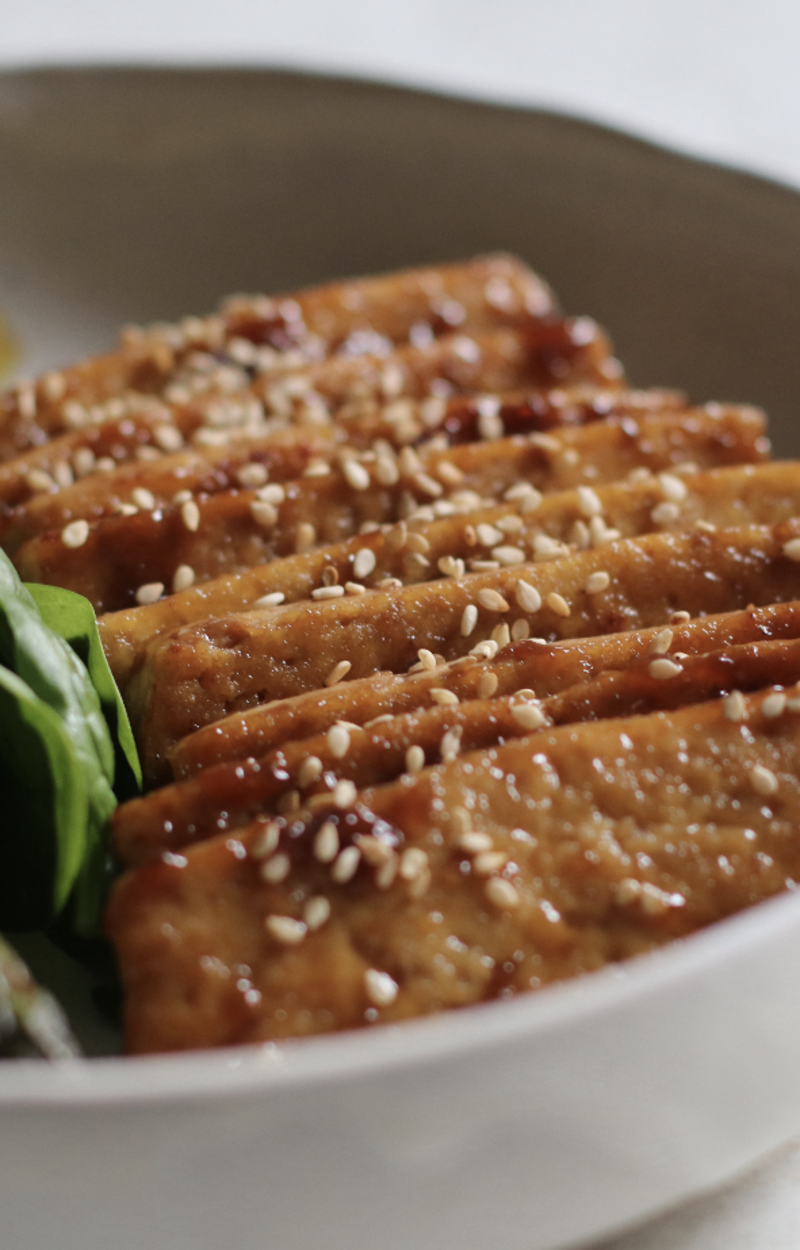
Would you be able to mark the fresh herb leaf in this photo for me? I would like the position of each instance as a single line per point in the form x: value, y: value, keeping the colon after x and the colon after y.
x: 30, y: 1018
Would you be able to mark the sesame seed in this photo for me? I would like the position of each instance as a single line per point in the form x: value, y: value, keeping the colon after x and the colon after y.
x: 317, y: 468
x: 168, y: 437
x: 792, y: 549
x: 449, y: 473
x: 272, y: 600
x: 413, y: 861
x: 427, y: 659
x: 310, y: 771
x: 520, y: 630
x: 501, y: 634
x: 326, y: 843
x: 530, y: 501
x: 546, y: 548
x: 469, y: 620
x: 285, y: 929
x: 679, y: 618
x: 190, y: 515
x: 450, y: 745
x: 364, y: 562
x: 474, y: 842
x: 63, y: 474
x: 356, y: 475
x: 527, y: 596
x: 345, y: 866
x: 338, y: 741
x: 661, y: 642
x: 665, y: 513
x: 428, y: 485
x: 528, y: 715
x: 381, y: 989
x: 415, y: 759
x: 600, y: 533
x: 502, y: 893
x: 487, y: 535
x: 589, y: 502
x: 546, y: 441
x: 181, y: 496
x: 327, y: 592
x: 774, y: 705
x: 451, y: 566
x: 144, y: 499
x: 316, y: 912
x: 75, y: 534
x: 596, y: 582
x: 251, y: 476
x: 488, y: 862
x: 305, y: 536
x: 706, y: 527
x: 272, y: 493
x: 338, y: 671
x: 558, y: 604
x: 492, y: 600
x: 344, y: 794
x: 662, y: 669
x: 127, y: 509
x: 276, y: 868
x: 487, y: 685
x: 507, y: 556
x: 183, y: 578
x: 490, y: 425
x: 354, y: 588
x: 444, y: 698
x: 734, y: 706
x: 763, y: 780
x: 627, y: 891
x: 387, y: 871
x: 39, y: 481
x: 264, y: 514
x: 485, y: 650
x: 267, y: 841
x: 373, y: 851
x: 151, y: 592
x: 672, y: 488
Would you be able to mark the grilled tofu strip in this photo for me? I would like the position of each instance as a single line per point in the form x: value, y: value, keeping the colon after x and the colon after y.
x: 547, y: 669
x: 301, y: 773
x: 590, y: 844
x: 231, y: 532
x: 203, y: 672
x: 273, y: 337
x: 760, y: 495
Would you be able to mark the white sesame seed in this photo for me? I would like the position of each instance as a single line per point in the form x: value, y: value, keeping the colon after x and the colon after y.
x: 151, y: 592
x: 428, y: 485
x: 344, y: 793
x: 317, y: 468
x: 444, y: 698
x: 487, y: 685
x: 705, y: 527
x: 106, y: 464
x: 528, y: 715
x: 490, y: 425
x: 144, y: 499
x: 285, y: 929
x: 381, y: 989
x: 600, y: 533
x: 75, y: 534
x: 62, y: 474
x: 451, y: 566
x: 356, y: 475
x: 792, y: 549
x: 168, y: 437
x: 338, y: 741
x: 763, y: 780
x: 460, y: 819
x: 558, y: 604
x: 469, y: 620
x: 449, y: 473
x: 488, y: 862
x: 474, y: 842
x: 251, y: 476
x: 310, y: 771
x: 485, y: 650
x: 665, y: 513
x: 520, y: 630
x: 487, y: 535
x: 492, y: 600
x: 501, y: 634
x: 427, y: 659
x: 272, y: 493
x: 507, y: 556
x: 181, y: 496
x: 338, y: 671
x: 316, y: 912
x: 183, y: 578
x: 661, y: 642
x: 735, y: 706
x: 662, y: 669
x: 39, y: 481
x: 364, y: 562
x: 589, y: 502
x: 502, y: 894
x: 530, y: 500
x: 345, y: 865
x: 190, y: 515
x: 326, y: 843
x: 546, y: 441
x: 672, y: 488
x: 680, y: 617
x: 264, y: 514
x: 415, y: 759
x: 276, y: 868
x: 327, y: 592
x: 305, y: 536
x: 273, y: 600
x: 450, y: 745
x: 127, y: 509
x: 413, y: 861
x: 774, y: 705
x: 627, y: 891
x: 546, y: 548
x: 596, y: 582
x: 527, y: 596
x: 267, y: 841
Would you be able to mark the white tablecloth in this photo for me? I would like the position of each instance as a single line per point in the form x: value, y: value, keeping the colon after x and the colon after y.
x: 718, y: 78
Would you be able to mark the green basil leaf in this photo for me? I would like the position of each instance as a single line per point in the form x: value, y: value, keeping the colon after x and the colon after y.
x: 45, y: 825
x: 72, y: 617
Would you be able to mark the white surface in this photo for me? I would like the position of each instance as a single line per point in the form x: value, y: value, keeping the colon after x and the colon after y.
x: 717, y: 78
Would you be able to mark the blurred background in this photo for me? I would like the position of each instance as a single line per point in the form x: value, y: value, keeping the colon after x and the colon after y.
x: 714, y: 77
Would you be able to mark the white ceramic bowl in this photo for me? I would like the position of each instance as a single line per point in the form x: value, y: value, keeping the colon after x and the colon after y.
x: 532, y: 1124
